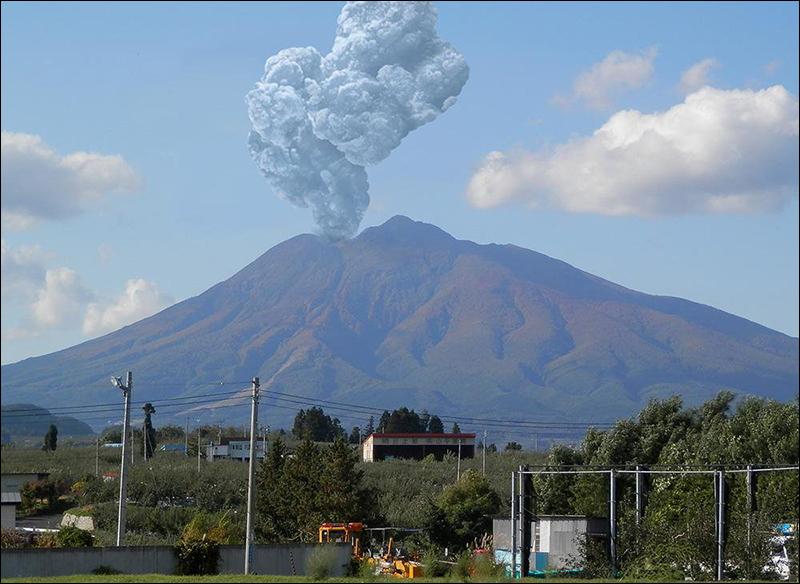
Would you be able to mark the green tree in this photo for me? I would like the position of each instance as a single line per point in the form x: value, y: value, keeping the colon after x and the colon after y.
x: 403, y: 421
x: 370, y: 429
x: 513, y: 447
x: 51, y: 439
x: 456, y: 428
x: 435, y: 425
x: 383, y: 422
x: 313, y: 424
x: 355, y: 435
x: 464, y: 511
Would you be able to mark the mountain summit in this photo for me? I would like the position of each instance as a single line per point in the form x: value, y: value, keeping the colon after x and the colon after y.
x: 405, y: 314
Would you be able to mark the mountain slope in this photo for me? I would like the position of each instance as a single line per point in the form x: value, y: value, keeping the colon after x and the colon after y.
x: 404, y: 314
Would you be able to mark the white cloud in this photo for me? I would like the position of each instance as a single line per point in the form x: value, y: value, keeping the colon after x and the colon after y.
x: 140, y: 300
x: 720, y: 151
x: 23, y: 270
x: 38, y: 183
x: 61, y: 301
x: 617, y: 73
x: 697, y: 75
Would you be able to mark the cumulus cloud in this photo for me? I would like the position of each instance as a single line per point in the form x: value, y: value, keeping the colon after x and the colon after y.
x: 38, y: 183
x: 318, y: 120
x: 61, y: 301
x: 697, y: 75
x: 23, y: 270
x: 618, y: 73
x: 720, y: 151
x: 140, y: 300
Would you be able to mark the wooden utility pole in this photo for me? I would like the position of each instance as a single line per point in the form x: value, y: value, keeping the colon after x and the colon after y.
x: 251, y: 500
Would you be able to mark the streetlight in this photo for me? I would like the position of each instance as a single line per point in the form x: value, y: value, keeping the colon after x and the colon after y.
x: 126, y: 392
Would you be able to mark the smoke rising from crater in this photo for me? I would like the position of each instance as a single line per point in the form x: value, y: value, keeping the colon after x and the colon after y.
x: 318, y: 120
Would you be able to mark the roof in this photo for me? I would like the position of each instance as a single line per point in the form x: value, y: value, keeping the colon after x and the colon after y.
x: 227, y: 440
x: 169, y: 447
x: 11, y: 498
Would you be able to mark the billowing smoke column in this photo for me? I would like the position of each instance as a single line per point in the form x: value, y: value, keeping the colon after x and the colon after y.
x: 318, y: 120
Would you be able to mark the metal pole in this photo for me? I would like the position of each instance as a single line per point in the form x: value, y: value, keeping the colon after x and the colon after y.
x: 126, y: 391
x: 750, y: 507
x: 484, y: 452
x: 458, y: 468
x: 97, y: 458
x: 198, y: 450
x: 524, y: 520
x: 639, y: 496
x: 251, y: 501
x: 612, y: 520
x: 186, y: 438
x: 513, y: 524
x: 721, y: 525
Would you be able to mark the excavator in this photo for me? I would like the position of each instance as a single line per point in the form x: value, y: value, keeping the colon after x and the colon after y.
x: 386, y: 563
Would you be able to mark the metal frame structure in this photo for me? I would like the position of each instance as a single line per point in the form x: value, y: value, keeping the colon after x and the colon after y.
x: 521, y: 516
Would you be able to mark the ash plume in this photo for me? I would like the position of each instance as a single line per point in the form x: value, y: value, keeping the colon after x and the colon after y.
x: 318, y: 120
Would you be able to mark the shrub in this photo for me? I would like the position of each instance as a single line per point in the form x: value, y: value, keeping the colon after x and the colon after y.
x: 433, y: 567
x: 197, y: 557
x: 321, y: 563
x: 460, y: 571
x: 484, y: 569
x: 73, y: 537
x: 105, y: 571
x: 11, y: 538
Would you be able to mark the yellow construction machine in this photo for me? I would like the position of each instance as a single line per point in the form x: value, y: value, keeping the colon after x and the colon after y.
x: 385, y: 564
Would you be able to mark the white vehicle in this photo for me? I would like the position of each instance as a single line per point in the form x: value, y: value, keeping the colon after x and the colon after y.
x: 779, y: 563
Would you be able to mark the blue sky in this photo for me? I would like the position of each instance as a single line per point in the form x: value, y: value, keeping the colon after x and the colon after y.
x: 162, y: 86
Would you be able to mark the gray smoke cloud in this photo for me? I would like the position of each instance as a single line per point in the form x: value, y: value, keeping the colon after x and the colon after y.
x: 318, y: 120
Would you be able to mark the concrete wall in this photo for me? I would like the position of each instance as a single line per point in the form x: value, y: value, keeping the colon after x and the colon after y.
x: 280, y: 559
x: 9, y: 516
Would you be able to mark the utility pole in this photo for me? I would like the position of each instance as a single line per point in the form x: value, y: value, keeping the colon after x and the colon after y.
x: 186, y: 437
x: 198, y: 450
x: 484, y: 452
x: 536, y: 442
x: 458, y: 468
x: 126, y: 388
x: 97, y: 458
x: 251, y: 500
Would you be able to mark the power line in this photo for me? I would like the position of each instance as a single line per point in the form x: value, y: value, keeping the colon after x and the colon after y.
x: 329, y: 404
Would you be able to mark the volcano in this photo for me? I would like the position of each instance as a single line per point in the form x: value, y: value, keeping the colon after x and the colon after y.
x: 406, y: 315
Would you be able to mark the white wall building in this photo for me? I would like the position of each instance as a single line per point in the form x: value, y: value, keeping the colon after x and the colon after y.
x: 235, y: 449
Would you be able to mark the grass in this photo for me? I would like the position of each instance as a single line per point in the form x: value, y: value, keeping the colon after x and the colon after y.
x: 242, y: 578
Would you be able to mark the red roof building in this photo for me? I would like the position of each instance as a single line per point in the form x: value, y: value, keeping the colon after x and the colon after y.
x: 417, y: 446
